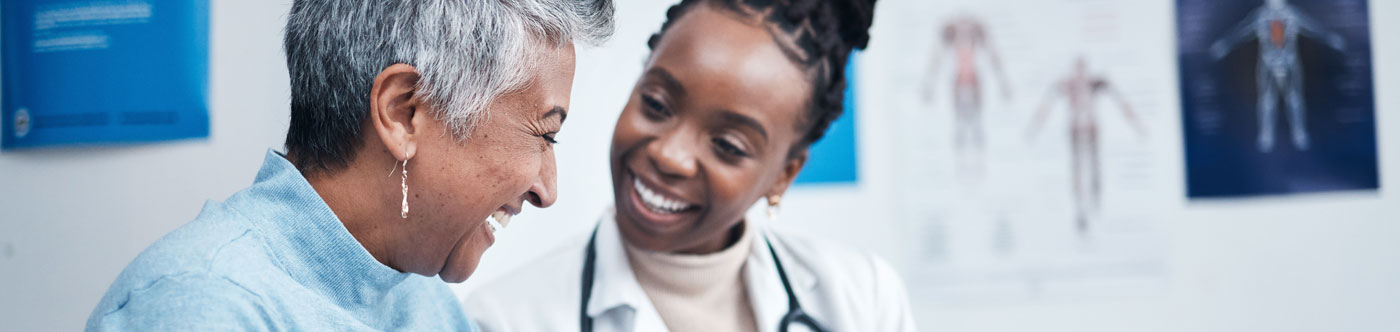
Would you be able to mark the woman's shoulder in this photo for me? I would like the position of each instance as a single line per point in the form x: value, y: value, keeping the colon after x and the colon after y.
x: 198, y: 265
x: 215, y: 239
x: 871, y: 294
x: 835, y: 267
x: 828, y: 258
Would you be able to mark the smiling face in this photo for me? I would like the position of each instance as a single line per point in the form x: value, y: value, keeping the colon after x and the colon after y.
x: 706, y: 133
x: 506, y: 161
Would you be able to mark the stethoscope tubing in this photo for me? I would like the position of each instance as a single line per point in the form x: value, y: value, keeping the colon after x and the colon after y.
x: 795, y: 313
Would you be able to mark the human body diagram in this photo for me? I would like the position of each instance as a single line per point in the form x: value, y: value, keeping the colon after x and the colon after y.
x: 1277, y: 25
x: 965, y: 38
x: 1080, y: 89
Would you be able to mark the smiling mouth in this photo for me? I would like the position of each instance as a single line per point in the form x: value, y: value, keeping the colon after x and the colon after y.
x: 658, y: 203
x: 498, y: 220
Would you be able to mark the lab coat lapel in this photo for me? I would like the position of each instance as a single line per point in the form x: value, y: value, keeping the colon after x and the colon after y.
x: 615, y: 288
x: 766, y: 293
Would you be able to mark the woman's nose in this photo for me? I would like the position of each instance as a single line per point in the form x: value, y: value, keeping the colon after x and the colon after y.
x: 674, y: 155
x: 544, y: 190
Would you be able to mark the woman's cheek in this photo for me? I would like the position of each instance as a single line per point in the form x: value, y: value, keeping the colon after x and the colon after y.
x: 519, y: 174
x: 530, y: 173
x: 637, y: 118
x: 731, y: 184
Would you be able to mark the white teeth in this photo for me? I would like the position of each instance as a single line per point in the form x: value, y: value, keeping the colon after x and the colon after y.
x: 502, y: 217
x: 498, y: 220
x: 656, y: 202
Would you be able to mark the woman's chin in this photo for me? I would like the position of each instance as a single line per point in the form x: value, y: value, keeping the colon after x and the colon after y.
x: 464, y: 259
x: 636, y: 234
x: 454, y: 278
x: 457, y: 272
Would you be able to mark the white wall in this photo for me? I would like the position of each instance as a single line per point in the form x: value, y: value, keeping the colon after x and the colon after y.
x: 71, y: 218
x: 74, y: 217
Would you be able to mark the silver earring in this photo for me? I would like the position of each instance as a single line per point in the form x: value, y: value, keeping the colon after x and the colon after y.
x: 773, y: 202
x: 404, y: 212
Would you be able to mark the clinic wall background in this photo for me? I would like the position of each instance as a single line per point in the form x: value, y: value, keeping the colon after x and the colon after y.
x: 71, y: 218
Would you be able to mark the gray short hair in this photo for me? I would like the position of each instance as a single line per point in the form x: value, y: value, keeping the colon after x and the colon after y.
x: 468, y: 53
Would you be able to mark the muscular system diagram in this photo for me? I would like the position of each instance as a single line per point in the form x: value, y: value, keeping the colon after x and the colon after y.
x: 1079, y: 89
x: 1276, y: 25
x: 965, y: 38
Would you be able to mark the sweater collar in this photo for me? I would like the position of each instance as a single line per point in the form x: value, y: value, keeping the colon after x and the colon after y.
x: 689, y: 273
x: 309, y: 241
x: 617, y: 292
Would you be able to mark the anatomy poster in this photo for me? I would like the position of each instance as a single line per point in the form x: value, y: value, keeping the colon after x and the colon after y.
x: 1037, y: 145
x: 1276, y: 97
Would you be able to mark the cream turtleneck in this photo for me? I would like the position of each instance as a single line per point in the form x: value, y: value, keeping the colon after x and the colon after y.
x: 697, y: 292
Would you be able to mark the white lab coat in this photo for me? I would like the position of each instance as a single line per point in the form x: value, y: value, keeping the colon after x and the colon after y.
x: 843, y: 290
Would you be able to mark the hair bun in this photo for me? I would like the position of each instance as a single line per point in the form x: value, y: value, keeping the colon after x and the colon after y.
x: 855, y: 17
x: 848, y: 19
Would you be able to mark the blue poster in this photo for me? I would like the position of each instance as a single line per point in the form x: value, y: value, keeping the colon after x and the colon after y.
x: 1276, y: 97
x: 93, y: 72
x: 832, y: 160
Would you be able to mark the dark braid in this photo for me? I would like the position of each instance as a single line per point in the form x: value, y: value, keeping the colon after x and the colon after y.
x: 825, y: 32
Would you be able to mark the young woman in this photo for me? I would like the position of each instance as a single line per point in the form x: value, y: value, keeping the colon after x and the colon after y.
x: 732, y: 95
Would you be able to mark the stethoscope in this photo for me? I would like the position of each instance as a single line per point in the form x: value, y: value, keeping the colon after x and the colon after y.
x: 795, y: 315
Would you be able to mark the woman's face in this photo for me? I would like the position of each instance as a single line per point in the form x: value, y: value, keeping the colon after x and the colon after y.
x: 706, y: 132
x: 507, y: 160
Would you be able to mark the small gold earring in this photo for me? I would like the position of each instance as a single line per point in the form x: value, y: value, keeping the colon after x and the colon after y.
x: 773, y: 202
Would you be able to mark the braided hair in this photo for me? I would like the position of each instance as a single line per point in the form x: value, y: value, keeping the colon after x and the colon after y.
x: 824, y: 32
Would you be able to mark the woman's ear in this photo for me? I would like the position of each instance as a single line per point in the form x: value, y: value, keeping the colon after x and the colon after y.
x: 393, y: 106
x: 791, y: 167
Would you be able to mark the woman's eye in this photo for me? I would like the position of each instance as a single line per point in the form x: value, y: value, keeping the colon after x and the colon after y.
x: 653, y: 106
x: 549, y: 138
x: 726, y: 147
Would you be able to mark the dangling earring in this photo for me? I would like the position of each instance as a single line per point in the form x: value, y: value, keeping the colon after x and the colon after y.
x: 403, y: 213
x: 773, y: 202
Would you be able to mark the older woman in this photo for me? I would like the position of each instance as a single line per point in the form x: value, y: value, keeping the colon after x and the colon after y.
x: 733, y: 93
x: 412, y: 123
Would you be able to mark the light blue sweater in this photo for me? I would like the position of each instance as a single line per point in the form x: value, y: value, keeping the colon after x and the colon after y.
x: 272, y: 258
